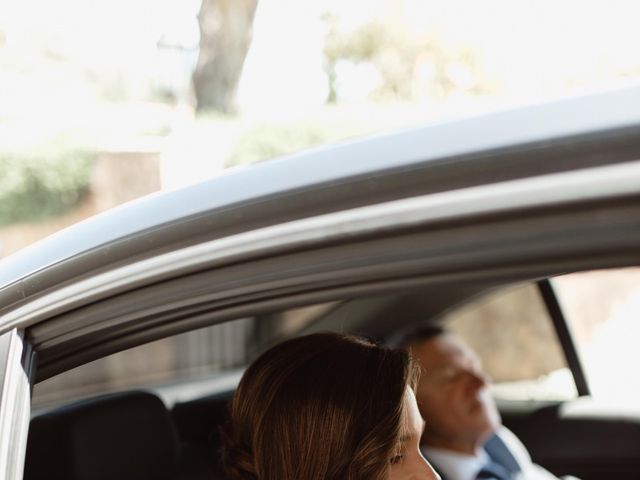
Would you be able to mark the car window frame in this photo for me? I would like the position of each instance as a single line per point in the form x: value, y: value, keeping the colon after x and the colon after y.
x: 565, y: 337
x: 17, y: 364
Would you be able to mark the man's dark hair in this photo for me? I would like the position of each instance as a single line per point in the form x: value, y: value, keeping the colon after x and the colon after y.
x: 422, y: 334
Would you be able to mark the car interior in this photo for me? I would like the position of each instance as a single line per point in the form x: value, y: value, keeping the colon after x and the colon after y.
x: 135, y: 433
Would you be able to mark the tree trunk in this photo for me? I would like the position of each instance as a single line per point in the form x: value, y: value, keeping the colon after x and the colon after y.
x: 225, y: 36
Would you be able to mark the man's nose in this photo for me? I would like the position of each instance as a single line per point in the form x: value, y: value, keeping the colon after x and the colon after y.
x: 479, y: 379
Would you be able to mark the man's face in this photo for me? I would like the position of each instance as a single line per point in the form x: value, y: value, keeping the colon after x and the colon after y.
x: 453, y: 396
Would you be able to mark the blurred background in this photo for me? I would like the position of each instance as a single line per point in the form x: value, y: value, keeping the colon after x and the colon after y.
x: 102, y: 102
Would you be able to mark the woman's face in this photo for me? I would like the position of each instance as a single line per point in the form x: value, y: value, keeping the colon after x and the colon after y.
x: 407, y: 462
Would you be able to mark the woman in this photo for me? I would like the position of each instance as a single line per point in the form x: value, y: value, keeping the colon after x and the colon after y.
x: 326, y: 407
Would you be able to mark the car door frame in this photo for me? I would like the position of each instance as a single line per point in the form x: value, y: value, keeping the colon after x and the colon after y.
x: 17, y: 362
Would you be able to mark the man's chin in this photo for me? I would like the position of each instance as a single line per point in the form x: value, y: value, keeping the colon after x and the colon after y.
x: 486, y: 408
x: 490, y: 426
x: 487, y: 418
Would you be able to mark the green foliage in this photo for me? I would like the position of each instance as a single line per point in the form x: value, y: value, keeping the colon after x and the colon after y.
x: 34, y: 187
x: 267, y: 141
x: 335, y: 123
x: 362, y: 44
x: 397, y: 54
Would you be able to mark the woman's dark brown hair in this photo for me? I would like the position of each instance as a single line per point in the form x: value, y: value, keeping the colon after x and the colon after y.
x: 319, y: 407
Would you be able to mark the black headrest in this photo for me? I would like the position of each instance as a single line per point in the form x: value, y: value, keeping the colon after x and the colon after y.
x: 198, y: 420
x: 125, y: 436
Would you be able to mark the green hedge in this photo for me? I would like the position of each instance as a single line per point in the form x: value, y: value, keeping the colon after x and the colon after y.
x: 33, y: 188
x: 264, y: 142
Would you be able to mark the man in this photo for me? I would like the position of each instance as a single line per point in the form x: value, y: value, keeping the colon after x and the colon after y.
x: 463, y: 438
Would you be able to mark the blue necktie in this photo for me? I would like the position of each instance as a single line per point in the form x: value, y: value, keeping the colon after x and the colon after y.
x: 499, y: 453
x: 492, y: 470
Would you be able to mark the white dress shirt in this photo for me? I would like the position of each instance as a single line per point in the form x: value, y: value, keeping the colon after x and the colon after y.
x: 460, y: 466
x: 454, y: 465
